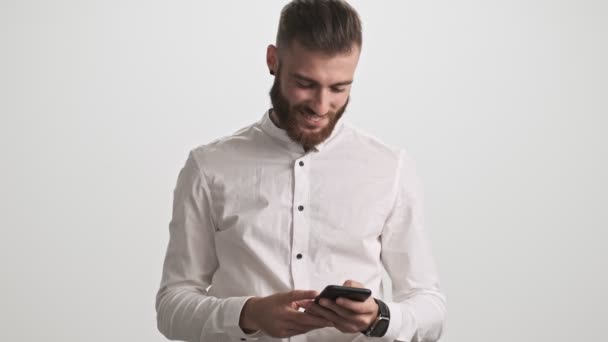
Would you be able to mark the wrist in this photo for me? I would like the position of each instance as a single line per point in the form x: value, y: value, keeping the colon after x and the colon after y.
x: 374, y: 316
x: 247, y: 320
x: 379, y: 326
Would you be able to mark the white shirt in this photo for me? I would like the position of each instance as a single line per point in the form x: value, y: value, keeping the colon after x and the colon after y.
x: 254, y: 215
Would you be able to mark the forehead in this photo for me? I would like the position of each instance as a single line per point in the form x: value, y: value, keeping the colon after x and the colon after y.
x: 319, y: 66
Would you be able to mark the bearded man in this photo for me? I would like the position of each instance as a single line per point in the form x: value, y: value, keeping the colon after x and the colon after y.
x: 267, y: 217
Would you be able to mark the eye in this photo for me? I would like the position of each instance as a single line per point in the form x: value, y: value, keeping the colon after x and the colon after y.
x: 338, y: 90
x: 304, y: 85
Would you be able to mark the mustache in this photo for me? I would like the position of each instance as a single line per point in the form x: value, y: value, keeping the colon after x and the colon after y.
x: 308, y: 111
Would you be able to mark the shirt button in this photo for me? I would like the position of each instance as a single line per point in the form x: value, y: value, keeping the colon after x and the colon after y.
x: 301, y: 208
x: 299, y: 256
x: 301, y: 163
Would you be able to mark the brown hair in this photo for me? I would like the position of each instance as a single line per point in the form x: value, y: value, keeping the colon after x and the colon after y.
x: 330, y: 26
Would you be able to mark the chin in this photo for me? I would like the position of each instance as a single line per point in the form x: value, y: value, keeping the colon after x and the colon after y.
x: 312, y: 130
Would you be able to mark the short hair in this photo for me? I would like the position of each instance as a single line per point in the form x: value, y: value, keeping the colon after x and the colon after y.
x: 329, y: 26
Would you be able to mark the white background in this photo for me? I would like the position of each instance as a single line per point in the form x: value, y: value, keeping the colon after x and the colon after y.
x: 502, y: 103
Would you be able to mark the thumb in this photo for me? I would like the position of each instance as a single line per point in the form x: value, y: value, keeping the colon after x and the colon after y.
x: 352, y: 283
x: 297, y: 295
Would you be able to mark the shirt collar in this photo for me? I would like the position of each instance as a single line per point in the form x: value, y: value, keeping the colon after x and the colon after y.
x: 271, y: 129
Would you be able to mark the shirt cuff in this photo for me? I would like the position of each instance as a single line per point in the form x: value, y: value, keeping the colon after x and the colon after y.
x: 402, y: 326
x: 232, y: 316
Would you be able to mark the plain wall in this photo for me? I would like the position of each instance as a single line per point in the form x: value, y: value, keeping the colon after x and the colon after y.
x: 503, y: 105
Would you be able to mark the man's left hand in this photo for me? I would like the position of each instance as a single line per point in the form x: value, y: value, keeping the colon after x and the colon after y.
x: 347, y: 315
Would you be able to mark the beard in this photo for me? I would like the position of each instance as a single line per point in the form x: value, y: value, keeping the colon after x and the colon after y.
x: 286, y: 114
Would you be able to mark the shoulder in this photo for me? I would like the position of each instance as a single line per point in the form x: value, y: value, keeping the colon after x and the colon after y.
x: 395, y: 162
x: 227, y: 147
x: 372, y: 147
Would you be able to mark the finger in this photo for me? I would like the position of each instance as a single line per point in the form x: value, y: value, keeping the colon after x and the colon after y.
x: 298, y: 295
x: 349, y: 328
x: 312, y: 313
x: 340, y: 311
x: 340, y: 323
x: 357, y: 307
x: 303, y: 319
x: 327, y: 314
x: 303, y: 303
x: 353, y: 283
x: 311, y: 308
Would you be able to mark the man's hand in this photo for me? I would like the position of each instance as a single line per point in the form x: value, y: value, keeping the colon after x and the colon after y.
x: 347, y: 315
x: 278, y: 316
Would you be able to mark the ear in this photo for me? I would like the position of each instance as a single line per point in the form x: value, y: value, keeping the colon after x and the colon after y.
x: 272, y: 59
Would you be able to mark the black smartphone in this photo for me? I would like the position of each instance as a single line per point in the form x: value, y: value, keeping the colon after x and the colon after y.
x: 353, y: 293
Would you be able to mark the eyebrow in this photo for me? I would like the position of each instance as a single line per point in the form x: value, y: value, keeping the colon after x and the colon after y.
x: 306, y: 79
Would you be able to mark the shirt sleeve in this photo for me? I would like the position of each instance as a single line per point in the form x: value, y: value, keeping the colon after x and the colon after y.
x: 418, y: 308
x: 184, y: 310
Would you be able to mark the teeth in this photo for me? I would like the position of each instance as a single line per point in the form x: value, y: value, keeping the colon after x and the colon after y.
x: 313, y: 118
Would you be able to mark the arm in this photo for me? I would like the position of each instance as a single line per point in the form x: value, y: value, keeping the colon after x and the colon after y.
x: 184, y: 310
x: 418, y: 311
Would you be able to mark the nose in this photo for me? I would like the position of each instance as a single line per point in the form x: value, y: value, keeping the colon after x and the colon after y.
x: 322, y: 103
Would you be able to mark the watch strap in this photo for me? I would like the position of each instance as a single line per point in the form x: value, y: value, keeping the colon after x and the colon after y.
x: 380, y: 326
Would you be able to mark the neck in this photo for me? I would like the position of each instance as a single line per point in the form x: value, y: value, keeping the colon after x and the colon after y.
x: 275, y: 121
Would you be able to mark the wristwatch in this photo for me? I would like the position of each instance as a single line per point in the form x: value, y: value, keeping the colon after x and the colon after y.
x: 380, y: 325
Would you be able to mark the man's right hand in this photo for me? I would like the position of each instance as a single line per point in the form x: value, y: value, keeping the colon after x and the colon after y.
x: 278, y: 316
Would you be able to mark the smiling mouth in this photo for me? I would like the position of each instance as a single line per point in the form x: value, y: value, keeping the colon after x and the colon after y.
x: 313, y: 121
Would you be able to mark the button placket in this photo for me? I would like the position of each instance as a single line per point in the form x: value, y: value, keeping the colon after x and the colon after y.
x: 301, y: 225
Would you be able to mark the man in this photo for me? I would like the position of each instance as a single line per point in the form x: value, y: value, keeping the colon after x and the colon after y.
x: 267, y: 217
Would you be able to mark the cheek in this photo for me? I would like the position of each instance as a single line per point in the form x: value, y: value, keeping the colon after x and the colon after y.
x: 298, y: 95
x: 339, y: 100
x: 342, y: 98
